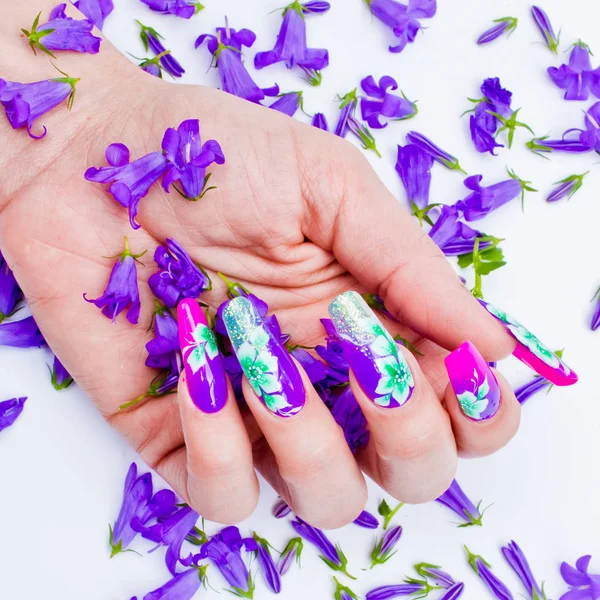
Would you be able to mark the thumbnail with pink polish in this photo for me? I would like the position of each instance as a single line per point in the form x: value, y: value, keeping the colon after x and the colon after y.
x: 204, y: 369
x: 473, y: 382
x: 532, y: 352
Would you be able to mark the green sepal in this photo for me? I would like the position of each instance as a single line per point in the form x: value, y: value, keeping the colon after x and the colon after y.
x: 264, y: 543
x: 367, y: 139
x: 34, y: 36
x: 342, y: 567
x: 144, y: 62
x: 525, y: 187
x: 197, y: 537
x: 347, y: 98
x: 536, y: 145
x: 423, y: 569
x: 151, y: 392
x: 472, y: 560
x: 72, y: 81
x: 484, y: 261
x: 377, y: 558
x: 231, y: 286
x: 58, y: 387
x: 10, y: 314
x: 408, y: 345
x: 576, y: 187
x: 583, y: 46
x: 510, y: 125
x: 427, y: 587
x: 220, y: 47
x: 473, y: 521
x: 477, y: 102
x: 513, y: 23
x: 197, y: 7
x: 387, y: 513
x: 204, y: 191
x: 117, y: 548
x: 241, y: 593
x: 421, y: 213
x: 294, y: 543
x: 294, y: 6
x: 145, y: 30
x: 313, y: 77
x: 339, y: 589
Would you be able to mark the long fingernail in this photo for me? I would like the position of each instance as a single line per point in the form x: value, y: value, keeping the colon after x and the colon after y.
x: 379, y: 367
x: 473, y: 382
x: 266, y: 363
x: 203, y: 363
x: 532, y: 352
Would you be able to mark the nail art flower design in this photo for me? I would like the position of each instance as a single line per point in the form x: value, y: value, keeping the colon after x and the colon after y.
x: 523, y: 335
x: 201, y: 347
x: 396, y: 379
x: 372, y: 352
x: 474, y: 403
x: 262, y: 369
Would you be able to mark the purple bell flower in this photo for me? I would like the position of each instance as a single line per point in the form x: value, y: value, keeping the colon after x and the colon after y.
x: 10, y: 292
x: 153, y: 66
x: 179, y: 276
x: 414, y: 167
x: 24, y: 103
x: 122, y: 289
x: 164, y: 350
x: 543, y: 23
x: 292, y: 552
x: 62, y: 33
x: 596, y: 316
x: 483, y: 569
x: 566, y: 187
x: 435, y: 573
x: 21, y: 334
x: 185, y: 9
x: 129, y: 181
x: 384, y: 549
x: 188, y: 159
x: 288, y: 104
x: 95, y: 10
x: 381, y: 103
x: 582, y: 585
x: 439, y: 155
x: 224, y: 551
x: 503, y: 25
x: 402, y: 18
x: 577, y: 78
x: 181, y: 587
x: 366, y: 520
x: 267, y: 565
x: 59, y: 376
x: 136, y: 495
x: 544, y: 145
x: 291, y: 46
x: 483, y: 126
x: 483, y: 200
x: 226, y: 48
x: 320, y: 122
x: 280, y: 509
x: 526, y: 391
x: 457, y: 501
x: 348, y: 104
x: 10, y: 410
x: 152, y: 41
x: 331, y: 555
x: 518, y: 562
x: 415, y: 588
x: 591, y: 136
x: 454, y: 237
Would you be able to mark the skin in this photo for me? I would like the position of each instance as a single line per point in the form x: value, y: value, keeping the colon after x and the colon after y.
x: 298, y: 217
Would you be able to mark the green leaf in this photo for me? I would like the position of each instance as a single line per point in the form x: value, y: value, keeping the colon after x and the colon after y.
x: 387, y: 513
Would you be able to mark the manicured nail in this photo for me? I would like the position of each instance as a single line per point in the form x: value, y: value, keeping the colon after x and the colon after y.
x: 203, y: 363
x: 265, y: 361
x: 532, y: 352
x: 473, y: 382
x: 379, y: 367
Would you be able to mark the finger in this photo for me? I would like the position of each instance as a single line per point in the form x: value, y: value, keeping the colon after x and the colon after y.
x: 411, y: 453
x: 221, y: 483
x: 376, y: 239
x: 323, y: 483
x: 484, y: 411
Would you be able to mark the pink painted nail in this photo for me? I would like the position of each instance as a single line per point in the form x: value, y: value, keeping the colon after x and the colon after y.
x: 473, y: 382
x: 204, y: 369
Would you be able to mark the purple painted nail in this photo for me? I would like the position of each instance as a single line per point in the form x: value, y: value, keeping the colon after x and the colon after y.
x: 473, y: 382
x: 372, y: 353
x: 266, y: 363
x: 204, y: 370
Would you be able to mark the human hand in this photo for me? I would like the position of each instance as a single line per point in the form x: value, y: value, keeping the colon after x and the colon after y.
x: 298, y: 217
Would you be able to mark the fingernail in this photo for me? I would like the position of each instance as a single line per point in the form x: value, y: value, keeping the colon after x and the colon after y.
x: 203, y: 363
x: 473, y: 382
x: 265, y: 361
x: 373, y: 355
x: 532, y: 352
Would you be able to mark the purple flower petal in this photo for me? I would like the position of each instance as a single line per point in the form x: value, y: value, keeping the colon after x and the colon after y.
x: 366, y: 520
x: 60, y: 377
x: 21, y: 334
x: 10, y: 410
x: 414, y: 167
x: 519, y: 564
x: 181, y: 587
x: 184, y: 9
x: 95, y: 10
x: 456, y: 500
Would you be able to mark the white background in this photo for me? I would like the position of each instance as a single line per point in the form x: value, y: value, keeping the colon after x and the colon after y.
x: 62, y: 467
